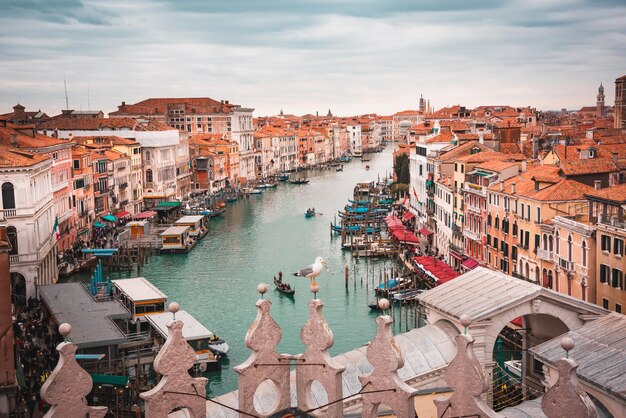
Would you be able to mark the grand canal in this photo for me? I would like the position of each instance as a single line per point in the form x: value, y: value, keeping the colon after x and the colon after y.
x: 259, y: 236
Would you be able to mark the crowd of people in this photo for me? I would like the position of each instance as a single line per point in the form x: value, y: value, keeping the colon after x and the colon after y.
x: 36, y: 356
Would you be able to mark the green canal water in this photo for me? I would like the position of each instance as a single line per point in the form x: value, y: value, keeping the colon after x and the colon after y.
x: 259, y: 236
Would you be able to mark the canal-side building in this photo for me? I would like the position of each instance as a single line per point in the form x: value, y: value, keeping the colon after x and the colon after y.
x: 83, y: 192
x: 209, y: 164
x: 201, y: 115
x: 607, y: 211
x: 28, y: 213
x: 132, y: 149
x: 402, y: 121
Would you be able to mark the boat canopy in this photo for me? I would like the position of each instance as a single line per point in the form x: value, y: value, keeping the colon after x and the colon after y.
x: 192, y: 329
x: 138, y: 289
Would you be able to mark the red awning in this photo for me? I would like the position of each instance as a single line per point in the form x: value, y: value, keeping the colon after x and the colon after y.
x: 441, y: 271
x: 456, y: 255
x: 145, y: 215
x: 517, y: 321
x: 408, y: 216
x: 425, y: 232
x: 122, y: 214
x: 470, y: 263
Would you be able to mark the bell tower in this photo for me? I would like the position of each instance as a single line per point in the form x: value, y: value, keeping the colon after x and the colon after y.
x: 600, y: 101
x: 619, y: 113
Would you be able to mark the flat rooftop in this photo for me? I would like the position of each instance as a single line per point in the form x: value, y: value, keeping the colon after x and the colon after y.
x: 91, y: 321
x: 192, y: 330
x: 138, y: 289
x: 190, y: 219
x: 175, y: 230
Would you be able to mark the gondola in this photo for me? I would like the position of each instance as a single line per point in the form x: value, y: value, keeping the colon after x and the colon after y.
x: 212, y: 213
x: 280, y: 286
x: 309, y: 213
x: 299, y: 181
x: 283, y: 177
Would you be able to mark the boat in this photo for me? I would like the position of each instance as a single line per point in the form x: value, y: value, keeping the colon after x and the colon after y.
x: 212, y: 213
x: 284, y: 287
x: 357, y: 153
x: 309, y: 213
x: 340, y: 168
x: 218, y: 346
x: 355, y: 228
x: 266, y: 186
x: 392, y: 285
x: 256, y: 191
x: 299, y: 181
x: 345, y: 159
x: 367, y: 167
x: 231, y: 198
x: 366, y: 158
x: 514, y: 368
x: 283, y: 177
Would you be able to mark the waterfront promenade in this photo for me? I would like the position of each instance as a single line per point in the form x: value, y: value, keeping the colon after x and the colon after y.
x: 259, y: 236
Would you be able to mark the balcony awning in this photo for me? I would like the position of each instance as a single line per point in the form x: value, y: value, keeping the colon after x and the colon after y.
x: 470, y: 264
x: 112, y: 380
x: 109, y: 218
x: 424, y: 232
x: 408, y: 216
x: 122, y: 214
x: 145, y: 215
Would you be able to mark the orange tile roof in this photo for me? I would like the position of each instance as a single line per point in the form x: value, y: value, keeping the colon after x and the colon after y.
x: 86, y: 124
x: 591, y: 166
x: 496, y: 165
x: 615, y: 194
x: 12, y: 157
x: 158, y: 106
x: 27, y: 141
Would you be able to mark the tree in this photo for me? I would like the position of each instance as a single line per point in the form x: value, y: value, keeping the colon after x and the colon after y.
x: 399, y: 163
x: 404, y: 176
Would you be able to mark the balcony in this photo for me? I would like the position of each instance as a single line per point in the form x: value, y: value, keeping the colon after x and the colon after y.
x: 474, y: 236
x: 544, y: 255
x: 566, y: 265
x: 60, y: 186
x: 612, y: 221
x: 8, y: 213
x: 520, y: 276
x: 123, y: 186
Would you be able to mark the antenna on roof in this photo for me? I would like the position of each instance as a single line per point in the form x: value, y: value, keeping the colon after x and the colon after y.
x: 67, y: 106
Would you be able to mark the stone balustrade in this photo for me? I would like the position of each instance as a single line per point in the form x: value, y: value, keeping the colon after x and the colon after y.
x: 68, y: 385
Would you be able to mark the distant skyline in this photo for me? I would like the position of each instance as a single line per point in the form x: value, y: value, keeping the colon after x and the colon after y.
x: 352, y: 56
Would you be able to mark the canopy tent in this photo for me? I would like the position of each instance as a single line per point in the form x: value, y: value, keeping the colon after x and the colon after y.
x: 437, y: 269
x: 145, y: 215
x: 98, y: 225
x: 405, y: 236
x: 470, y: 264
x: 168, y: 205
x: 109, y: 218
x: 122, y: 214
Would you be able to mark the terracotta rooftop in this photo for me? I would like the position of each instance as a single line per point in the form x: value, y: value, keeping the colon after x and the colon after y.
x: 592, y: 166
x: 12, y: 157
x: 159, y: 106
x: 27, y: 141
x: 496, y: 165
x: 615, y: 194
x: 86, y: 124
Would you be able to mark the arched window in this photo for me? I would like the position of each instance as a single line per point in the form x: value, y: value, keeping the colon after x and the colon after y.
x: 515, y: 228
x: 148, y: 156
x: 12, y: 236
x: 527, y: 271
x: 545, y: 242
x: 550, y: 279
x: 489, y: 219
x: 497, y: 223
x: 570, y: 248
x: 8, y: 196
x: 584, y: 254
x: 550, y: 243
x: 148, y: 176
x: 210, y: 174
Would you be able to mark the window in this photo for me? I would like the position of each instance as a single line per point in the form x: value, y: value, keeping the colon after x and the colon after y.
x: 557, y: 240
x: 618, y: 308
x: 522, y: 211
x: 148, y: 156
x: 605, y: 303
x: 12, y: 236
x: 76, y: 164
x: 527, y: 239
x: 489, y: 219
x: 148, y: 176
x: 514, y: 229
x: 488, y: 239
x: 570, y: 248
x: 584, y: 255
x: 495, y: 243
x: 605, y: 271
x: 538, y: 215
x: 497, y: 223
x: 618, y: 246
x: 537, y: 241
x: 462, y: 168
x: 456, y: 167
x: 606, y: 243
x: 617, y: 278
x: 514, y: 253
x: 8, y: 196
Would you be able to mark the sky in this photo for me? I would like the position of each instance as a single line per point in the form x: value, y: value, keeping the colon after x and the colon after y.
x: 350, y: 56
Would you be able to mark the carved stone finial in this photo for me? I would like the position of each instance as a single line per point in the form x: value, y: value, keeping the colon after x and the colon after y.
x: 318, y: 337
x: 262, y: 289
x: 68, y: 385
x: 383, y: 304
x: 262, y: 338
x: 385, y: 356
x: 566, y: 398
x: 173, y: 308
x: 466, y: 321
x: 64, y: 330
x: 315, y: 289
x: 567, y: 344
x: 177, y: 388
x: 466, y: 378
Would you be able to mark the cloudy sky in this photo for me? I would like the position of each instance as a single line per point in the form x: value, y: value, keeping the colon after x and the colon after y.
x: 353, y: 56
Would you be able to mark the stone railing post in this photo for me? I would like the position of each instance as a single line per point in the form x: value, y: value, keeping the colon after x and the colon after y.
x: 566, y: 398
x: 465, y: 377
x: 176, y: 389
x: 262, y: 338
x: 68, y: 385
x: 317, y: 365
x: 383, y: 385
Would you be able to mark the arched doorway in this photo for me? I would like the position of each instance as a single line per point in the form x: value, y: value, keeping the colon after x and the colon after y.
x: 18, y: 289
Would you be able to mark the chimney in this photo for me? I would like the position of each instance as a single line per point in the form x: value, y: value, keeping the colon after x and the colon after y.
x: 14, y: 140
x: 123, y: 103
x: 501, y: 186
x: 226, y: 101
x: 597, y: 184
x: 481, y: 138
x: 513, y: 188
